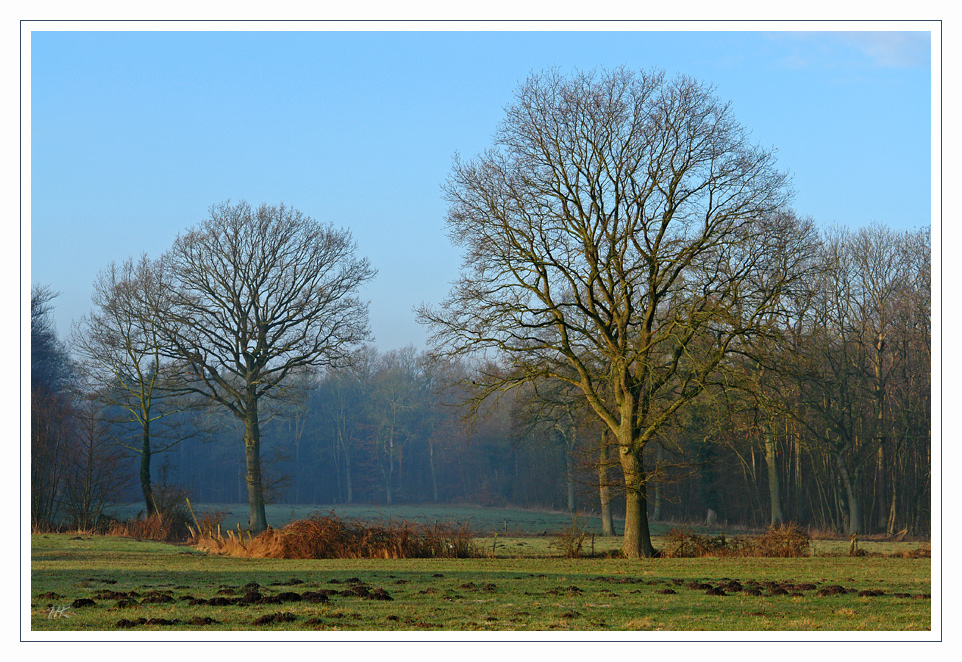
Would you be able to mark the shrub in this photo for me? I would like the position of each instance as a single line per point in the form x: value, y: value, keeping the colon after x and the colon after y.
x: 783, y: 541
x: 571, y: 539
x: 170, y: 523
x: 150, y: 528
x: 331, y: 537
x: 684, y: 544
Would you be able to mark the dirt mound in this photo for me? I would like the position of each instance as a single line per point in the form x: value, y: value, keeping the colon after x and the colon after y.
x: 124, y: 623
x: 833, y: 589
x: 282, y: 617
x: 202, y: 620
x: 315, y: 596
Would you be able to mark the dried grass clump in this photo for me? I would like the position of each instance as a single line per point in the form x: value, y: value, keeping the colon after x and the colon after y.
x: 783, y: 541
x: 331, y: 537
x: 923, y: 551
x: 155, y: 527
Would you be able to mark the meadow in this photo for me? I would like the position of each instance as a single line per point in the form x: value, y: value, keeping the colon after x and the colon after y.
x: 522, y: 583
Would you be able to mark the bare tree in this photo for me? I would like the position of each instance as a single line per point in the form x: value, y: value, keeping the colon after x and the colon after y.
x: 121, y: 359
x: 851, y: 358
x: 552, y: 409
x: 259, y: 294
x: 391, y: 402
x: 618, y: 236
x: 51, y: 408
x: 95, y: 477
x: 50, y: 366
x: 50, y: 444
x: 297, y: 413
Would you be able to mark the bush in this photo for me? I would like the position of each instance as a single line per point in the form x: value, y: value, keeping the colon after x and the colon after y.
x: 154, y: 527
x: 684, y: 544
x: 170, y: 523
x: 782, y: 541
x: 331, y: 537
x: 571, y: 539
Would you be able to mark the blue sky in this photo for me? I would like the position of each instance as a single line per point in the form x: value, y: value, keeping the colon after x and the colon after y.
x: 135, y: 134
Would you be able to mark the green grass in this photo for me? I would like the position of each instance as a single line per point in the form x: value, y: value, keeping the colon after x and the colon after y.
x: 521, y: 588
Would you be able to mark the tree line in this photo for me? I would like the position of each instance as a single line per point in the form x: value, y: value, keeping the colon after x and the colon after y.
x: 642, y: 327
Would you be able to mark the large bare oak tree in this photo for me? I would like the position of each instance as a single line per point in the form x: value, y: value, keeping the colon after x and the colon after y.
x: 259, y: 294
x: 622, y: 235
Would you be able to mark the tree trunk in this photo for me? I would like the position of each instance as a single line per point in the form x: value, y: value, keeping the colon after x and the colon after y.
x: 255, y: 485
x: 879, y: 493
x: 145, y: 471
x: 774, y: 486
x: 851, y: 497
x: 637, y: 538
x: 336, y: 455
x: 568, y: 440
x: 297, y: 465
x: 390, y: 469
x: 607, y: 523
x: 656, y: 506
x: 434, y: 475
x: 890, y: 523
x: 347, y: 475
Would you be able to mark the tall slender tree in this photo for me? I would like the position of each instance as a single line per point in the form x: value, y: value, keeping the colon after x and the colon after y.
x: 124, y: 366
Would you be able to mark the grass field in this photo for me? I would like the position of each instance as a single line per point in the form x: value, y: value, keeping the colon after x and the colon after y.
x: 94, y: 583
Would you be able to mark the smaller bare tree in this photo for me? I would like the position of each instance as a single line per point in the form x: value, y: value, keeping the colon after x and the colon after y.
x: 126, y: 371
x: 257, y: 295
x: 95, y: 477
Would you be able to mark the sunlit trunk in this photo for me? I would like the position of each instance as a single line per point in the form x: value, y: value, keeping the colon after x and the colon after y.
x: 607, y: 523
x: 637, y: 538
